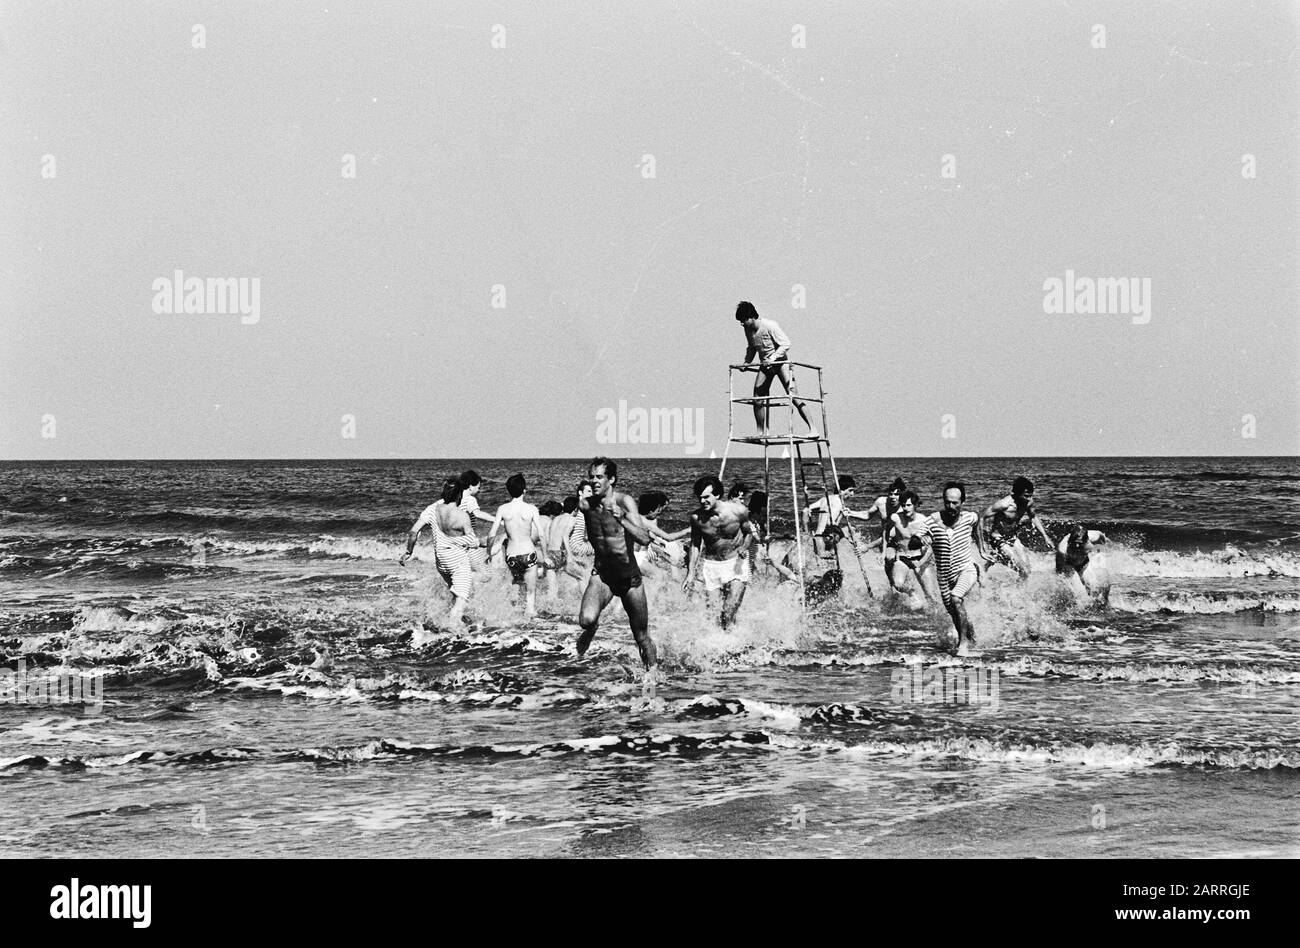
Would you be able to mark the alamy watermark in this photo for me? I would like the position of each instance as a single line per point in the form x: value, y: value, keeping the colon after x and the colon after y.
x: 1103, y: 296
x: 46, y: 687
x: 638, y: 425
x: 224, y: 296
x: 946, y: 685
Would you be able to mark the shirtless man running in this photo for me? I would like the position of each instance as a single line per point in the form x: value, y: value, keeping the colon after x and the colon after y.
x: 720, y: 533
x: 884, y: 507
x: 1003, y: 520
x: 524, y: 537
x: 557, y: 545
x: 664, y: 550
x: 614, y: 528
x: 1079, y: 563
x: 908, y: 536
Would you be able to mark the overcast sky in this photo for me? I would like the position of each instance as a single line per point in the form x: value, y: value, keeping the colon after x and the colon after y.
x: 774, y: 165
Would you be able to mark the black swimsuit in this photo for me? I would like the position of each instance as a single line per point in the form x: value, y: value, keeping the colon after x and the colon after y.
x: 620, y: 575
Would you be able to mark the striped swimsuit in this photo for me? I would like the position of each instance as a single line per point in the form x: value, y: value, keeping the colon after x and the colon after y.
x: 450, y: 554
x: 579, y: 545
x: 954, y: 559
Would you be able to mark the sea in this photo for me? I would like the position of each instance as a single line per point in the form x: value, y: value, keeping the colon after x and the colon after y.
x: 225, y: 658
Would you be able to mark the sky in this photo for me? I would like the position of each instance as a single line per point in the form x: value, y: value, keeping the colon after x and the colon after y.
x: 896, y: 184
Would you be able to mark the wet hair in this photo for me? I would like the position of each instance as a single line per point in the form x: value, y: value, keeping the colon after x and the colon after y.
x: 846, y: 482
x: 570, y: 504
x: 955, y: 484
x: 899, y: 485
x: 650, y: 501
x: 907, y: 495
x: 584, y: 483
x: 758, y: 507
x: 552, y: 508
x: 745, y: 310
x: 1022, y: 485
x: 611, y: 469
x: 452, y: 490
x: 738, y: 488
x: 470, y: 478
x: 515, y: 485
x: 708, y: 480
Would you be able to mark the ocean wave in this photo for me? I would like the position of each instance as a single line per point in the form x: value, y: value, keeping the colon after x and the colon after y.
x: 602, y: 746
x: 1092, y: 753
x: 1030, y: 751
x: 1195, y: 603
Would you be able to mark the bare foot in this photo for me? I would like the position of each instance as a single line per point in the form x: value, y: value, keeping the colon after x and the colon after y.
x: 650, y: 683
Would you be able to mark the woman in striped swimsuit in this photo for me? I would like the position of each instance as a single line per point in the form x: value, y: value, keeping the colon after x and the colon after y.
x: 453, y: 538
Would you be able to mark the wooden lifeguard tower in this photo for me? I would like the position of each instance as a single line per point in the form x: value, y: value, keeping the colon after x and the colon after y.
x: 805, y: 452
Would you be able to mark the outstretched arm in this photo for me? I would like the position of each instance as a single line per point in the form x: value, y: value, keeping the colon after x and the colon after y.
x: 414, y: 536
x: 693, y: 553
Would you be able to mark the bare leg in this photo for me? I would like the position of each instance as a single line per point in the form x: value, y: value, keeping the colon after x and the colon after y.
x: 762, y: 388
x: 965, y: 631
x: 457, y: 608
x: 1020, y: 559
x: 787, y: 380
x: 732, y: 595
x: 530, y: 592
x: 638, y: 616
x: 890, y: 563
x: 594, y: 600
x: 927, y: 580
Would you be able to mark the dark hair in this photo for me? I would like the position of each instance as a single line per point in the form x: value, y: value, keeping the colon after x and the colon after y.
x: 570, y: 504
x: 738, y: 488
x: 758, y: 507
x: 899, y: 485
x: 708, y: 480
x: 470, y: 478
x: 745, y: 310
x: 957, y: 484
x: 907, y: 495
x: 846, y: 482
x: 650, y: 500
x: 515, y: 485
x: 584, y: 483
x: 552, y: 508
x: 452, y: 490
x: 1022, y: 485
x: 611, y: 469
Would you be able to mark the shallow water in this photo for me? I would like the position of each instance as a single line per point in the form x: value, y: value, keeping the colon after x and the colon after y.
x: 272, y: 682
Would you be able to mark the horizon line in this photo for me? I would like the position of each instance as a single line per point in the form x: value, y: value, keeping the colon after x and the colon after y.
x: 525, y: 457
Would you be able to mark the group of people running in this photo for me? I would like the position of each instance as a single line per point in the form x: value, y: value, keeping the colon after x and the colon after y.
x: 604, y: 541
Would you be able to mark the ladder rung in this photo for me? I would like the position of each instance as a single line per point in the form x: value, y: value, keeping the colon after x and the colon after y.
x: 770, y: 399
x: 774, y: 440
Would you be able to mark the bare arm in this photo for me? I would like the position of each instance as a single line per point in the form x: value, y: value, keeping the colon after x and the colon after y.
x: 693, y: 552
x: 413, y: 537
x: 625, y: 513
x: 496, y: 525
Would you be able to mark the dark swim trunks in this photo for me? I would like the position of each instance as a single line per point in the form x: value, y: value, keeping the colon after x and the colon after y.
x: 621, y: 576
x: 519, y: 565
